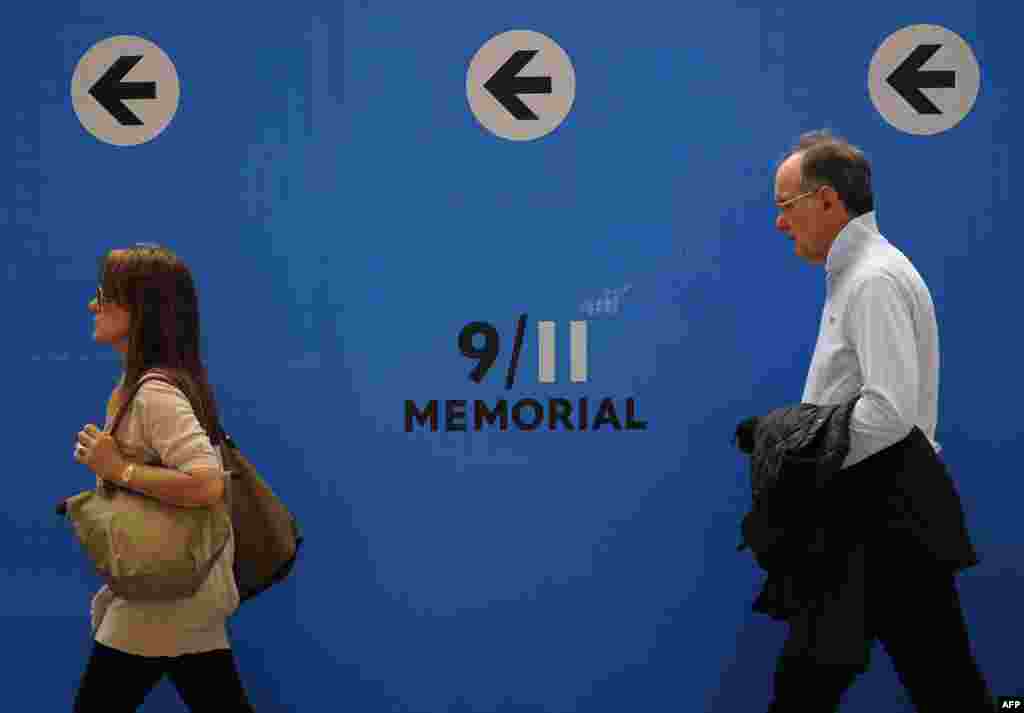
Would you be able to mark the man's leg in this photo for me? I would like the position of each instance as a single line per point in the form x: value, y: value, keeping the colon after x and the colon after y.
x: 916, y: 613
x: 801, y: 685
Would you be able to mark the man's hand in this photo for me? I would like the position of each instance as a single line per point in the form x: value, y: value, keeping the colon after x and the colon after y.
x: 98, y: 450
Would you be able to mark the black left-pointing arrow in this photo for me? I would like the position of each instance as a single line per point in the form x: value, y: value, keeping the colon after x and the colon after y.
x: 908, y: 80
x: 110, y: 91
x: 505, y: 85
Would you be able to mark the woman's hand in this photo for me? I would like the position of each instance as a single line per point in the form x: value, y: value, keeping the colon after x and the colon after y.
x: 98, y: 450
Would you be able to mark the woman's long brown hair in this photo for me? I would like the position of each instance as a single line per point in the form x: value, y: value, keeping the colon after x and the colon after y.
x: 157, y: 289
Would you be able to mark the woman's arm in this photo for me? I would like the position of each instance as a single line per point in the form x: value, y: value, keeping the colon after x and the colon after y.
x: 201, y: 487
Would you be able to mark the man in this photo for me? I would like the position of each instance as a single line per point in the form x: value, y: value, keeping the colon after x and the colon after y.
x: 878, y: 336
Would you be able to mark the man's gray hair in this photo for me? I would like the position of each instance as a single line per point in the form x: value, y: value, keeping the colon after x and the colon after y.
x: 830, y: 160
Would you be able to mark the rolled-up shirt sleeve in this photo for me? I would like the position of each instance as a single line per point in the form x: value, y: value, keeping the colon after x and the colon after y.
x: 881, y: 330
x: 170, y: 427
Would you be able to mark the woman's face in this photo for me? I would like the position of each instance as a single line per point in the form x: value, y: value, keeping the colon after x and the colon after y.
x: 111, y: 322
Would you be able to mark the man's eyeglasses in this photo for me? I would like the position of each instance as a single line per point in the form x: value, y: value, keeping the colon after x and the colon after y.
x: 99, y: 297
x: 786, y: 203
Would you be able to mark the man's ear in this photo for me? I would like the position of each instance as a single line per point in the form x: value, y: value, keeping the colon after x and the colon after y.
x: 831, y: 197
x: 834, y: 202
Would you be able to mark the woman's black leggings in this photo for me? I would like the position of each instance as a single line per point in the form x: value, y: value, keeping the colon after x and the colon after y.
x: 118, y: 682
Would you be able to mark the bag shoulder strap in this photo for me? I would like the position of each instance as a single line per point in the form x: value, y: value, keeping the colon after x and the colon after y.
x: 149, y: 376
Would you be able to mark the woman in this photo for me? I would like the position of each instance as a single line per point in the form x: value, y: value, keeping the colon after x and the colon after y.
x: 146, y: 308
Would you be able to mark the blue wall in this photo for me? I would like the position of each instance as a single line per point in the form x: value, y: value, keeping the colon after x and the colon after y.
x: 345, y: 216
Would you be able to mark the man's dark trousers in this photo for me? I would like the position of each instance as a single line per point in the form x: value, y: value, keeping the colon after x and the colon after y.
x: 911, y: 606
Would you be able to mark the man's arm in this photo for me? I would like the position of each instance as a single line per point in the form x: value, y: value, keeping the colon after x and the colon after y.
x: 882, y: 332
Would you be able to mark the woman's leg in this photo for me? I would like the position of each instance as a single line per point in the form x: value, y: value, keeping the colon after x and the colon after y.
x: 209, y: 682
x: 115, y: 681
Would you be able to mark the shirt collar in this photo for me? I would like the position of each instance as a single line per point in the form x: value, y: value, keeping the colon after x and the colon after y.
x: 849, y: 242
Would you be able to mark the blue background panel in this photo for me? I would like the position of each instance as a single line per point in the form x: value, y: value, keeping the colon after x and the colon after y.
x: 345, y: 215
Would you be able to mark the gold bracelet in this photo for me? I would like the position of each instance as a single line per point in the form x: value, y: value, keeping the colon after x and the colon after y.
x: 127, y: 475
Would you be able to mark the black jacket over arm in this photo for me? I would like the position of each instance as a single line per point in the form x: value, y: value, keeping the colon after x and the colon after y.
x: 810, y: 521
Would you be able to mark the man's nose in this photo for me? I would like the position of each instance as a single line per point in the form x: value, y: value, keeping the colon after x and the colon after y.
x: 781, y: 224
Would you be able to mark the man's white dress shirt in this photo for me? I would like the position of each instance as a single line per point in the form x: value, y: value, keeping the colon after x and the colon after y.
x: 879, y: 337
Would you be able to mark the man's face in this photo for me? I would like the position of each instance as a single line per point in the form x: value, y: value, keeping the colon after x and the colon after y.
x: 804, y: 220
